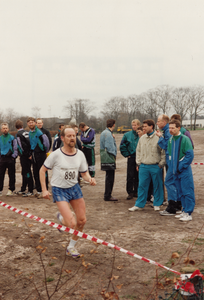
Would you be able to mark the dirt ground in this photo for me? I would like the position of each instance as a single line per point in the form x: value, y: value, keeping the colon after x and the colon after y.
x: 100, y: 272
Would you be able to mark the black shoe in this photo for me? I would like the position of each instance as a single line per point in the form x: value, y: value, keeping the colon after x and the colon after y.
x: 135, y: 195
x: 130, y: 196
x: 110, y: 199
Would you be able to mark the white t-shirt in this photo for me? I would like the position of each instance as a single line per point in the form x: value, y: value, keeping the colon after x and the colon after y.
x: 65, y: 167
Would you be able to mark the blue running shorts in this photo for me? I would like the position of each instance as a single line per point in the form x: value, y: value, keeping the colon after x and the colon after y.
x: 61, y: 194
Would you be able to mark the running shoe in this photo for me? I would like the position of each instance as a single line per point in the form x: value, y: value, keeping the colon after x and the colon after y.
x: 186, y: 217
x: 73, y: 252
x: 166, y: 213
x: 20, y: 193
x: 179, y: 216
x: 10, y: 193
x: 28, y: 194
x: 134, y: 208
x: 156, y: 208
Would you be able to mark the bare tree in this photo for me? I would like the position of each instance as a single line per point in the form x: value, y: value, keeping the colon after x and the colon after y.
x: 149, y: 104
x: 10, y: 117
x: 196, y: 97
x: 1, y: 116
x: 180, y: 101
x: 35, y: 111
x: 112, y: 108
x: 163, y: 98
x: 134, y: 106
x: 79, y: 109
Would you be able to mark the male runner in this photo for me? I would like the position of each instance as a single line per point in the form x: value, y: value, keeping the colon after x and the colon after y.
x: 66, y: 163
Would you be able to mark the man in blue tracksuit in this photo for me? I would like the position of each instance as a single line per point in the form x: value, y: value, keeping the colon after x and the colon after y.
x: 8, y: 154
x: 39, y: 143
x: 128, y: 147
x: 164, y: 136
x: 179, y: 178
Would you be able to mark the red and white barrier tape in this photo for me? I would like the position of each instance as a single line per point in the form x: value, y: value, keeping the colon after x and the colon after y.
x: 84, y: 236
x: 198, y: 164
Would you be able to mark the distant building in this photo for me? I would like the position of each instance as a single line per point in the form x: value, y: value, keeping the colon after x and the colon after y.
x: 199, y: 123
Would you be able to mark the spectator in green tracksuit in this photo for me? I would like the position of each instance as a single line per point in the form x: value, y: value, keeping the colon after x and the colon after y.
x: 128, y: 147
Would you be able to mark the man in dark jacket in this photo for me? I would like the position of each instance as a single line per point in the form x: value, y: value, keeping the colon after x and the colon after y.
x: 24, y: 151
x: 8, y: 154
x: 128, y: 147
x: 39, y: 147
x: 57, y: 139
x: 88, y: 145
x: 39, y: 123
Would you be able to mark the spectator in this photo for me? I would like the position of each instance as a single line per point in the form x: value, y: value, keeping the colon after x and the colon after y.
x: 57, y: 140
x: 24, y: 151
x: 164, y: 136
x: 163, y: 124
x: 179, y: 175
x: 88, y: 145
x: 140, y: 131
x: 128, y: 149
x: 182, y: 130
x: 108, y: 152
x: 8, y: 151
x: 150, y: 158
x: 78, y: 143
x: 39, y: 123
x: 39, y: 147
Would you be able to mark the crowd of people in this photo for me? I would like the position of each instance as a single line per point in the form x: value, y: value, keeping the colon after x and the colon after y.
x: 149, y: 154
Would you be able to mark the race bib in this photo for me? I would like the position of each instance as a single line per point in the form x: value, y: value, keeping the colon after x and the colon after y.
x: 68, y: 174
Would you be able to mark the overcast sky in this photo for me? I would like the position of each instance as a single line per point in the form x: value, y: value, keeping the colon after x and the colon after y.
x: 52, y: 51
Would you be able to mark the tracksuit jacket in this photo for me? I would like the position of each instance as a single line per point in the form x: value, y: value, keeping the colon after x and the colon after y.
x: 179, y: 178
x: 129, y: 143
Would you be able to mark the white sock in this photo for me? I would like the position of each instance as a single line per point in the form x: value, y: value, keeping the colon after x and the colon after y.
x: 72, y: 244
x: 61, y: 218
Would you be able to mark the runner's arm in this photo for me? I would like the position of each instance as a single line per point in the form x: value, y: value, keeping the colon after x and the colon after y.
x: 45, y: 192
x: 88, y: 178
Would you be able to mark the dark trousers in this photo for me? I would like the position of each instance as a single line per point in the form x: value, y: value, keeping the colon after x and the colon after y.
x: 7, y: 163
x: 110, y: 176
x: 132, y: 176
x: 90, y: 157
x: 27, y: 177
x: 38, y: 160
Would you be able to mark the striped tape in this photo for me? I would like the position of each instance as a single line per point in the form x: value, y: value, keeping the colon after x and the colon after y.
x: 84, y: 236
x: 198, y: 164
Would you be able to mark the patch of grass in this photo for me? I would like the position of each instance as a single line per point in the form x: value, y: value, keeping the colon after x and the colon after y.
x: 49, y: 279
x: 187, y: 241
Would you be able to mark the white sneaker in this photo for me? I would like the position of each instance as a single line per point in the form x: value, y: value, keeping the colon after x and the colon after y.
x: 73, y: 252
x: 180, y: 216
x: 134, y: 208
x: 9, y: 193
x: 156, y: 208
x: 186, y: 217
